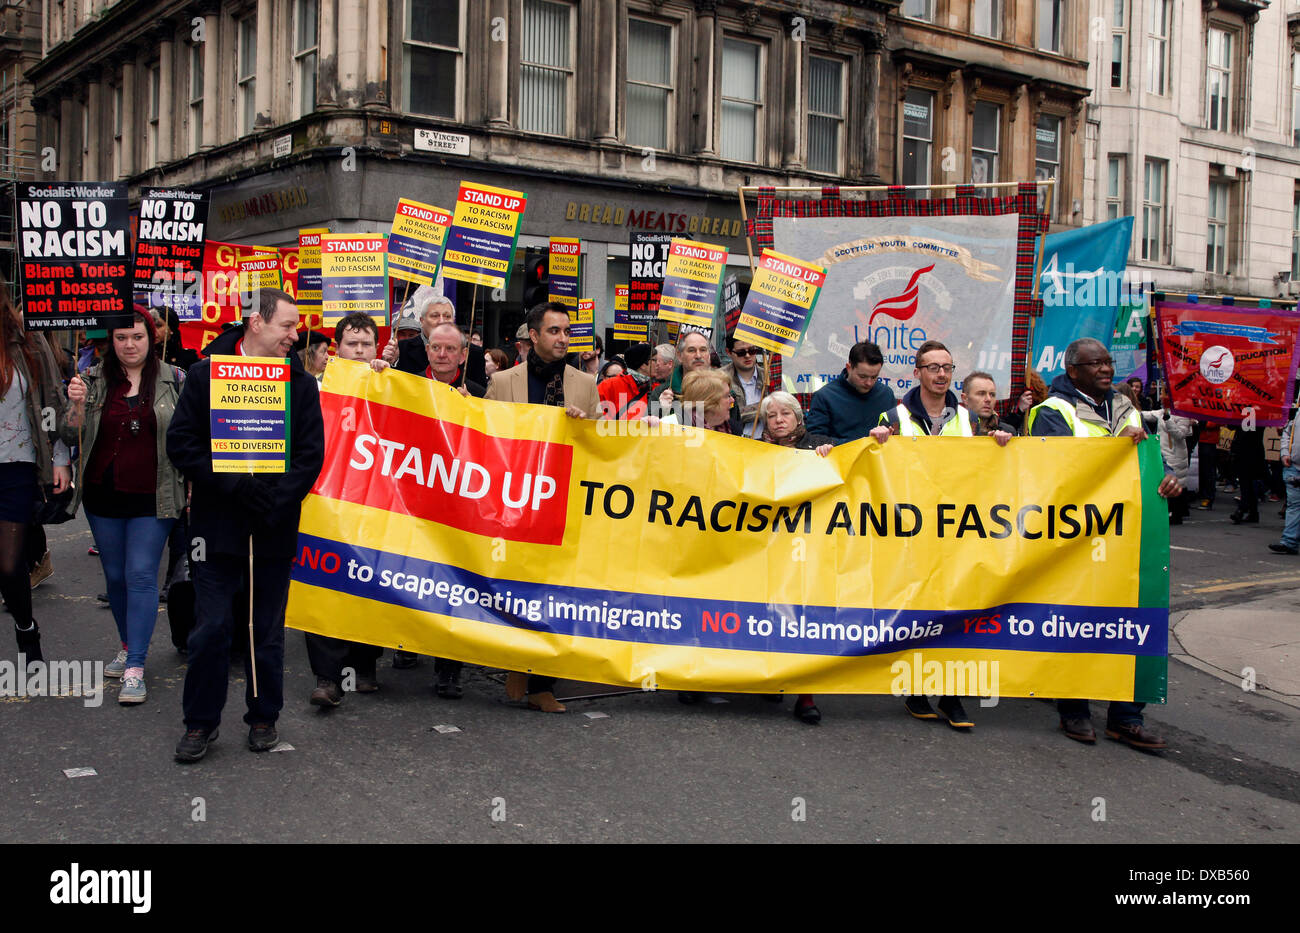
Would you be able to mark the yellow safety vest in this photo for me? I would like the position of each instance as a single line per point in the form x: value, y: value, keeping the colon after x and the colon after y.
x: 958, y: 426
x: 1078, y: 426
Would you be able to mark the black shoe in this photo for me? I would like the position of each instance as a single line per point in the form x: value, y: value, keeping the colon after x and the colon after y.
x: 1283, y: 549
x: 1079, y: 729
x: 1134, y: 735
x: 29, y: 642
x: 367, y: 682
x: 448, y: 684
x: 405, y: 660
x: 327, y: 693
x: 807, y: 711
x: 689, y: 697
x: 1239, y: 517
x: 194, y: 744
x: 955, y: 713
x: 920, y: 708
x: 262, y: 737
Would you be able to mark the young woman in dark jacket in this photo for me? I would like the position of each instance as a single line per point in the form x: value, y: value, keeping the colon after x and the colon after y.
x: 32, y: 410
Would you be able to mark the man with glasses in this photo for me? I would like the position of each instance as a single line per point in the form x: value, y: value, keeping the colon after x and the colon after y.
x: 746, y: 381
x: 850, y: 405
x: 1082, y: 403
x: 932, y: 410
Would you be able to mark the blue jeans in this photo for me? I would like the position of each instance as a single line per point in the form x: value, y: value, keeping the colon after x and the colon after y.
x: 130, y: 550
x: 1291, y: 533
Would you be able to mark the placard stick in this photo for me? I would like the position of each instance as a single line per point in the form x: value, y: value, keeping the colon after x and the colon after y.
x: 473, y: 309
x: 252, y: 652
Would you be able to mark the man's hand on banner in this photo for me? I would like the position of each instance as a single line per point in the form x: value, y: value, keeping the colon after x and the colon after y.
x: 1001, y: 437
x: 1137, y: 434
x: 378, y: 365
x: 881, y: 433
x: 573, y: 411
x: 824, y: 449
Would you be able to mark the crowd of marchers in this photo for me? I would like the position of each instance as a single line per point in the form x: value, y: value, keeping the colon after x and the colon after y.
x: 133, y: 413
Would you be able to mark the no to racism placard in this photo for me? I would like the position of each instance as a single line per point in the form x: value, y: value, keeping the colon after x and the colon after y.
x: 419, y: 489
x: 74, y: 243
x: 649, y: 264
x: 692, y: 283
x: 415, y: 245
x: 481, y: 242
x: 582, y: 329
x: 309, y: 282
x: 354, y: 276
x: 169, y: 250
x: 1225, y: 363
x: 250, y: 414
x: 564, y: 271
x: 780, y: 302
x: 624, y: 327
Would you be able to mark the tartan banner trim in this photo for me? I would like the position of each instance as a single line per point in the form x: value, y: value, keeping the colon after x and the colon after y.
x: 965, y: 202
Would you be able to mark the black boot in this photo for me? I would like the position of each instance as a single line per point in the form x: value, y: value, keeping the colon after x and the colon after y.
x: 29, y: 642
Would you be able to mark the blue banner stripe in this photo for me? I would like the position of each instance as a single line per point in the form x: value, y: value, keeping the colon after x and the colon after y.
x: 428, y: 586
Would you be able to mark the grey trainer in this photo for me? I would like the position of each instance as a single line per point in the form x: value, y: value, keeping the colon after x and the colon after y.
x: 117, y: 666
x: 132, y: 691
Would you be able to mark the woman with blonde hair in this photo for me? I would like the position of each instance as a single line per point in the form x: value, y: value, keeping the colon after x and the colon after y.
x: 706, y: 400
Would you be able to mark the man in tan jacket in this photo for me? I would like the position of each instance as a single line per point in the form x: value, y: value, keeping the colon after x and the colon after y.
x: 545, y: 379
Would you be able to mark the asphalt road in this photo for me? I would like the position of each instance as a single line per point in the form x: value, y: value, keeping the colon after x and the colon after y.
x: 648, y: 769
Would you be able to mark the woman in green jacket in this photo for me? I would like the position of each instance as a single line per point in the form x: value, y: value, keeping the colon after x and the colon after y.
x: 132, y: 493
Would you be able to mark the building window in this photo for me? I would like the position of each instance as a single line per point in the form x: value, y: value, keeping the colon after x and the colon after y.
x: 431, y: 57
x: 1216, y: 243
x: 918, y: 136
x: 1153, y: 210
x: 742, y: 99
x: 304, y: 55
x: 919, y: 9
x: 1115, y: 187
x: 825, y: 114
x: 1295, y: 98
x: 986, y: 18
x: 986, y: 134
x: 546, y: 67
x: 117, y: 130
x: 1047, y: 157
x: 155, y: 83
x: 247, y: 82
x: 1118, y: 42
x: 649, y: 84
x: 196, y: 97
x: 1157, y: 46
x: 1295, y: 238
x: 1051, y: 16
x: 1218, y: 79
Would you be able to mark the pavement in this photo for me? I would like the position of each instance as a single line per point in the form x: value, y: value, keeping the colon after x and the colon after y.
x: 402, y: 766
x: 1242, y: 620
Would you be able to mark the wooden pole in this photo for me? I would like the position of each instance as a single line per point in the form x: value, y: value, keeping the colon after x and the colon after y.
x: 252, y: 651
x: 473, y: 309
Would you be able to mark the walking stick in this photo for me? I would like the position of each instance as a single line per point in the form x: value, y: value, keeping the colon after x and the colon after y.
x: 252, y: 651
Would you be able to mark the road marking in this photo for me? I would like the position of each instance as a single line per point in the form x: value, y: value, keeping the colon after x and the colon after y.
x: 1219, y: 586
x: 1194, y: 550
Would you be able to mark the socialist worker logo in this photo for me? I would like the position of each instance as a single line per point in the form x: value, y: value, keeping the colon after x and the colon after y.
x: 1217, y: 364
x: 901, y: 307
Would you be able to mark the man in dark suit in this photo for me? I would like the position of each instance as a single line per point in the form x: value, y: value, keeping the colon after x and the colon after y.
x: 228, y: 511
x: 544, y: 379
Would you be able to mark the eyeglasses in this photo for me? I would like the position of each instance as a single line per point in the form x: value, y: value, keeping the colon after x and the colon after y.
x: 935, y: 368
x: 1096, y: 364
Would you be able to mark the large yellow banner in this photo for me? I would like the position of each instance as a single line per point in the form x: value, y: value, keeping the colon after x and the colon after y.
x: 517, y: 537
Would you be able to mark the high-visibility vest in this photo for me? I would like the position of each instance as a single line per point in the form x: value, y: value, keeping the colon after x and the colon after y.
x: 1078, y: 426
x: 955, y: 427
